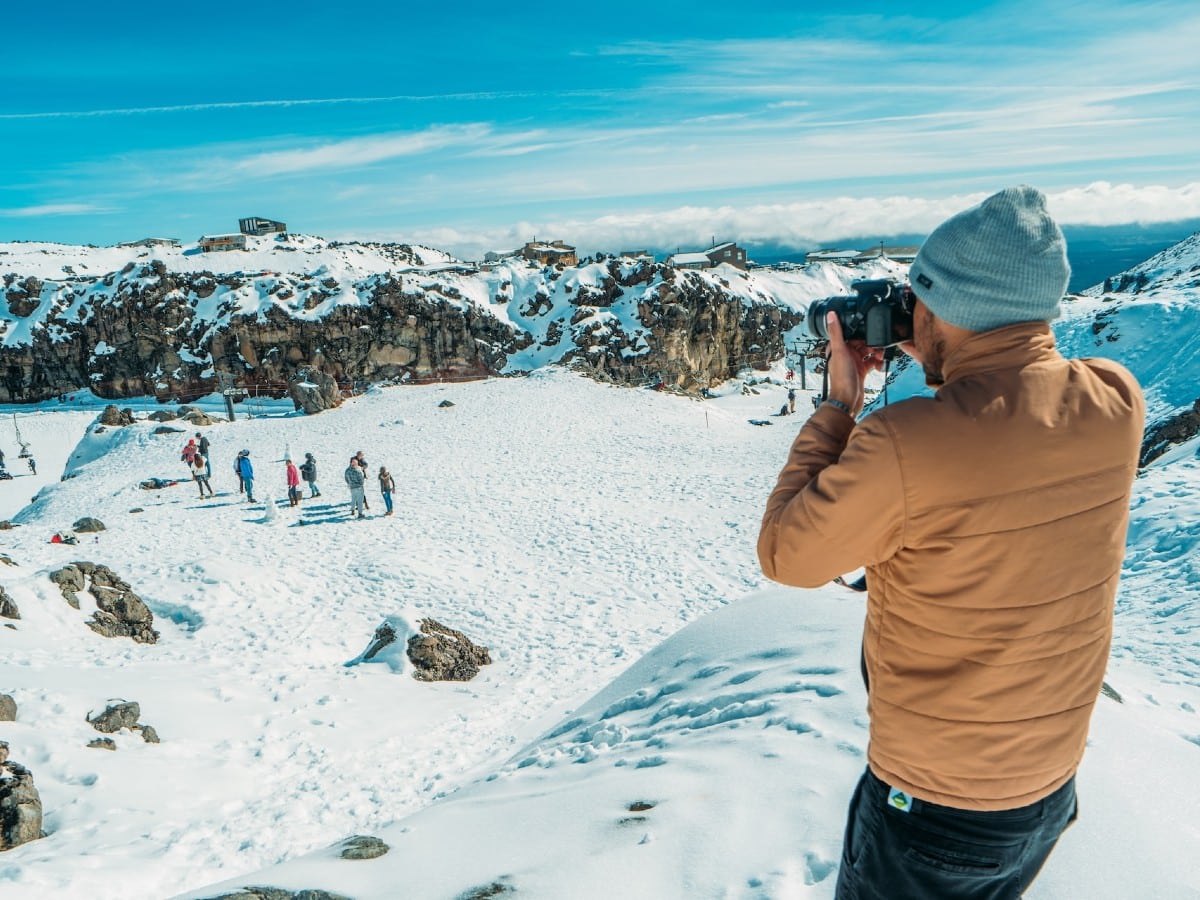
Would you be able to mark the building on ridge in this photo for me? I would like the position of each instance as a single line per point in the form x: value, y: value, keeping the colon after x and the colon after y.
x: 219, y: 242
x: 550, y: 253
x: 259, y: 226
x: 728, y: 252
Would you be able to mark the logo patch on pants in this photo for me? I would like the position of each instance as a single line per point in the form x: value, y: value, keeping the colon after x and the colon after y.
x: 897, y: 799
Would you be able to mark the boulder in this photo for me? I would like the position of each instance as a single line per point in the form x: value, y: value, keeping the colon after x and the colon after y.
x: 69, y: 580
x: 445, y: 404
x: 119, y: 611
x: 167, y: 429
x: 20, y: 807
x: 197, y: 417
x: 87, y: 524
x: 162, y: 415
x: 8, y: 708
x: 7, y: 560
x: 362, y: 846
x: 3, y: 752
x: 116, y: 418
x: 117, y: 715
x: 8, y: 606
x: 6, y: 525
x: 103, y: 744
x: 149, y: 735
x: 314, y: 392
x: 439, y: 653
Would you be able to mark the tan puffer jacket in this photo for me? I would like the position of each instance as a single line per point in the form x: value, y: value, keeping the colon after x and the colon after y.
x: 992, y: 521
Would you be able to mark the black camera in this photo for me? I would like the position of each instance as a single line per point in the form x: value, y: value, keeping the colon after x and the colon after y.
x: 879, y: 313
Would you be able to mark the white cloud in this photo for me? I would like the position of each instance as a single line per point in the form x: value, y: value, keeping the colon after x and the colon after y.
x: 803, y: 224
x: 53, y: 209
x: 359, y: 151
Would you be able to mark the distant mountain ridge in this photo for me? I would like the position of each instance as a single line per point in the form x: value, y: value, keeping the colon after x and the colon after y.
x: 168, y: 321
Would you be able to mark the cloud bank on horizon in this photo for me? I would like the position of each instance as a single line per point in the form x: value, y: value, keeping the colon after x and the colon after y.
x: 782, y: 127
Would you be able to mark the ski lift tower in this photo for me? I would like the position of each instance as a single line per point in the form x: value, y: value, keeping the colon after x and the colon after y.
x: 229, y: 392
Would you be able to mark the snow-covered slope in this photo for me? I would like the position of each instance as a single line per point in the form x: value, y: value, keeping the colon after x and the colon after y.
x: 573, y: 528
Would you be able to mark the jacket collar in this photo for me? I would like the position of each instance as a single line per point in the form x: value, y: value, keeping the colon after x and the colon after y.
x: 1011, y: 347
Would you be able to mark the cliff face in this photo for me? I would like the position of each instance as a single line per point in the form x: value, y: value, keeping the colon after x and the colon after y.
x: 149, y: 329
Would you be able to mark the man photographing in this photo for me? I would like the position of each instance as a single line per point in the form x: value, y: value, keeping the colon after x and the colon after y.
x: 991, y: 521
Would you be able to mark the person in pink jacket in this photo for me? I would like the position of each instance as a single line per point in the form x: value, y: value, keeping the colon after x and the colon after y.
x: 293, y: 483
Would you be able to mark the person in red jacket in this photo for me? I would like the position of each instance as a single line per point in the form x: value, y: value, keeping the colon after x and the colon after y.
x: 293, y: 483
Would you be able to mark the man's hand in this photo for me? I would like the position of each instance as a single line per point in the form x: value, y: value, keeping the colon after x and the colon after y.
x: 849, y: 364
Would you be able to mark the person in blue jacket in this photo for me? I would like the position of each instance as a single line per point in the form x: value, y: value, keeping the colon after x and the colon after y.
x: 246, y: 470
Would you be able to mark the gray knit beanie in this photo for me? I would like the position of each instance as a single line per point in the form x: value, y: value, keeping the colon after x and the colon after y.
x: 995, y: 264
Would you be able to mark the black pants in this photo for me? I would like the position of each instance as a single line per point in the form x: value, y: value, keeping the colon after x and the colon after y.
x: 934, y: 852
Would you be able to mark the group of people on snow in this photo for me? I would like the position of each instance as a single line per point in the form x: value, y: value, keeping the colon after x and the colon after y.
x: 196, y: 455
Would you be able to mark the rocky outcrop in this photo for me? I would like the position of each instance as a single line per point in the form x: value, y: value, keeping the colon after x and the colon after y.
x: 119, y: 611
x: 1176, y: 429
x: 138, y: 332
x: 439, y: 653
x: 87, y: 524
x: 20, y: 806
x: 102, y: 744
x: 8, y: 708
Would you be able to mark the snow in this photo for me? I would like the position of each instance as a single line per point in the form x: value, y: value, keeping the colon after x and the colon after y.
x: 600, y: 541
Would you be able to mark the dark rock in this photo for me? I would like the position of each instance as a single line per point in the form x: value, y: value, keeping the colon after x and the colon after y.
x: 3, y: 752
x: 117, y: 715
x: 443, y: 654
x: 385, y: 634
x: 149, y: 735
x: 103, y: 744
x: 69, y: 580
x: 6, y: 559
x: 20, y: 807
x: 1163, y: 435
x: 271, y: 893
x: 137, y: 509
x: 314, y: 391
x: 116, y: 418
x: 119, y: 611
x: 162, y: 415
x: 167, y: 429
x: 8, y: 708
x: 8, y: 606
x: 198, y: 417
x: 363, y: 846
x: 486, y: 891
x: 6, y: 525
x: 88, y: 524
x: 445, y: 404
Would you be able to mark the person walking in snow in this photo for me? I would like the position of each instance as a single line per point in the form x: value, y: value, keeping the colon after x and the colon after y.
x: 987, y: 630
x: 200, y: 474
x: 246, y: 472
x: 293, y: 483
x: 237, y: 469
x: 356, y: 481
x: 791, y: 400
x: 32, y: 465
x: 308, y: 471
x: 386, y: 485
x: 202, y: 445
x: 362, y: 464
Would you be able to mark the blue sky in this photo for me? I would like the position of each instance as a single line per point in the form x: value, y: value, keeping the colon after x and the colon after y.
x: 471, y: 126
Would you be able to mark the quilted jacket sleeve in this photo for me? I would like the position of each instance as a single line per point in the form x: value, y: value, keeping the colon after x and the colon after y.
x: 839, y: 502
